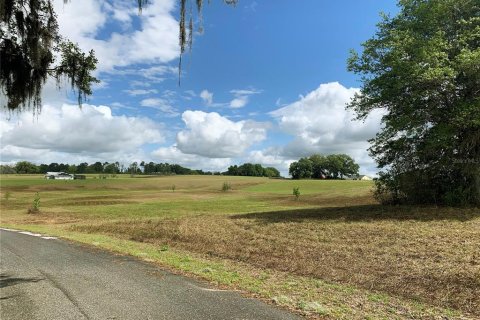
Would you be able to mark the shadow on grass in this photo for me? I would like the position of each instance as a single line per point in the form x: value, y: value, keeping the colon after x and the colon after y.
x: 365, y: 213
x: 7, y: 281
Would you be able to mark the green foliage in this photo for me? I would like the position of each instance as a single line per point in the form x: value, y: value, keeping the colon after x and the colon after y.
x: 334, y: 166
x: 252, y: 170
x: 422, y: 68
x: 301, y: 169
x: 296, y: 192
x: 36, y: 204
x: 112, y: 168
x: 226, y: 186
x: 7, y: 169
x: 77, y: 67
x: 29, y: 42
x: 25, y: 167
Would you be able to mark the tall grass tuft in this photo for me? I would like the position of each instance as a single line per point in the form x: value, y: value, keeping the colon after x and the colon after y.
x: 226, y: 186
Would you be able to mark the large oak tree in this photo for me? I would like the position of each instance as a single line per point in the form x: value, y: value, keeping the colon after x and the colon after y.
x: 423, y: 68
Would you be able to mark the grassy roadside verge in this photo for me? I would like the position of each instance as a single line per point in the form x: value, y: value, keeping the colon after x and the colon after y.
x: 309, y: 296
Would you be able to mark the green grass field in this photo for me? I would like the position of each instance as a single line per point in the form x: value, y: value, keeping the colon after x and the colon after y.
x: 333, y: 253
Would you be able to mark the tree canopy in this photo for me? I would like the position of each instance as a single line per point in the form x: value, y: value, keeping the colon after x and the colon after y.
x: 29, y: 44
x: 333, y: 166
x: 32, y: 50
x: 422, y: 68
x: 252, y: 170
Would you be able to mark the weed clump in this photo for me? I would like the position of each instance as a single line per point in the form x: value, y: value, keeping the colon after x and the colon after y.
x: 35, y: 205
x: 226, y: 187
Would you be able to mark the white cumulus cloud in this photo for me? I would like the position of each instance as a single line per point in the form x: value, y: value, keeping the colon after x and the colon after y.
x: 89, y: 131
x: 156, y: 40
x: 211, y: 135
x: 319, y: 123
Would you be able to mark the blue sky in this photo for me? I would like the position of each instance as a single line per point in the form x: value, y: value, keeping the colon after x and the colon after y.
x: 266, y: 82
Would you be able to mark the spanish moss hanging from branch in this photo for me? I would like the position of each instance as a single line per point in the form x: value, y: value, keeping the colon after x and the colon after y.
x: 29, y: 42
x: 187, y: 28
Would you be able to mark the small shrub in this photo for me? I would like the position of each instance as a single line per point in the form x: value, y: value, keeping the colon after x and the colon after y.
x: 35, y: 205
x: 36, y: 201
x: 173, y: 187
x: 296, y: 192
x: 226, y: 186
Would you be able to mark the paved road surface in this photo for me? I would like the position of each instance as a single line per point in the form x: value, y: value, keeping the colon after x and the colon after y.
x: 55, y: 279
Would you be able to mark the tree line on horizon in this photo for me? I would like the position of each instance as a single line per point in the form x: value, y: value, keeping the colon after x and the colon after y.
x: 150, y: 168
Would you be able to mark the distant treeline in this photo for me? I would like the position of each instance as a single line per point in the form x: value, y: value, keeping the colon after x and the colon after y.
x: 150, y: 168
x: 252, y: 170
x: 25, y: 167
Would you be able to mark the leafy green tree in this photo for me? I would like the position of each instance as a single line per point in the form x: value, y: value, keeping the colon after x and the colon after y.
x: 25, y: 167
x: 71, y: 168
x: 319, y: 166
x: 82, y: 168
x: 252, y: 170
x: 43, y: 168
x: 6, y: 169
x: 149, y: 168
x: 422, y: 68
x: 53, y: 167
x: 301, y: 169
x: 111, y: 168
x: 29, y: 42
x: 232, y: 171
x: 97, y: 167
x: 133, y: 168
x: 348, y: 166
x: 271, y: 172
x: 340, y: 166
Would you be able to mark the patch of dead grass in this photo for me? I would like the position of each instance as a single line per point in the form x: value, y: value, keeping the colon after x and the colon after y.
x: 427, y: 254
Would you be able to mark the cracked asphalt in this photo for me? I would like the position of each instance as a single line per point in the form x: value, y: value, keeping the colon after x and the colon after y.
x: 55, y: 279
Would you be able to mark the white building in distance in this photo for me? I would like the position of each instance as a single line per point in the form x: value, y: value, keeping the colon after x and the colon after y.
x: 59, y: 176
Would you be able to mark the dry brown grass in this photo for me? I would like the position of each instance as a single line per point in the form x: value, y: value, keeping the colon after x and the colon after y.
x: 428, y: 254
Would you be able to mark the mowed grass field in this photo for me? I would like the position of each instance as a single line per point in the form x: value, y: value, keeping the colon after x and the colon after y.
x: 334, y: 253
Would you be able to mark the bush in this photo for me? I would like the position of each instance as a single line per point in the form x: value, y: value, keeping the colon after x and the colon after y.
x: 226, y: 186
x: 425, y: 187
x: 35, y: 205
x: 296, y: 192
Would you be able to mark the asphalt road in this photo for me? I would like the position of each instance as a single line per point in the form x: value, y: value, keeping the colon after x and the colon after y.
x: 55, y: 279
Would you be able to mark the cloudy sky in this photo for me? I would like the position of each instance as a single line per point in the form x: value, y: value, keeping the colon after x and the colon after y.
x: 266, y: 83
